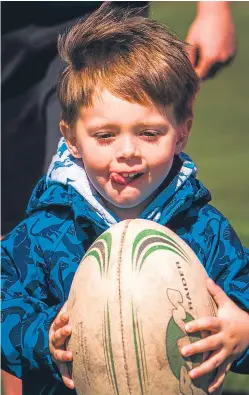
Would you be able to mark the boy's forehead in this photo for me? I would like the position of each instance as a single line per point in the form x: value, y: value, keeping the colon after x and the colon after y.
x: 106, y: 106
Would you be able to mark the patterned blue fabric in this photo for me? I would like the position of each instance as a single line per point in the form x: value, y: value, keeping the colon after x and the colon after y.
x: 64, y: 217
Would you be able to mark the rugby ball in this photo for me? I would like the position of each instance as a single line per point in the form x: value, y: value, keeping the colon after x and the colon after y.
x: 131, y: 296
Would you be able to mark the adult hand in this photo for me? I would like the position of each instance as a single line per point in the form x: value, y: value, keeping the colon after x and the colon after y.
x: 58, y: 333
x: 212, y: 35
x: 229, y: 337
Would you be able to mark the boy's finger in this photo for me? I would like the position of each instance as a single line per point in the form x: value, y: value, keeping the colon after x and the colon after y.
x: 212, y: 363
x: 61, y: 320
x: 210, y: 343
x: 61, y: 335
x: 202, y: 324
x: 64, y: 307
x: 220, y: 377
x: 66, y: 376
x: 60, y: 355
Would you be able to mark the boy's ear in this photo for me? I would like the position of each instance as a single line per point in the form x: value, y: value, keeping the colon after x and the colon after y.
x: 70, y: 139
x: 183, y: 131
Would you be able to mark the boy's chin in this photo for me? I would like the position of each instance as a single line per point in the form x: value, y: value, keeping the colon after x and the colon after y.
x: 122, y: 206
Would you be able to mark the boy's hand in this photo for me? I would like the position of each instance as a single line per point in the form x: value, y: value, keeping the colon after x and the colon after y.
x: 58, y: 333
x: 228, y: 339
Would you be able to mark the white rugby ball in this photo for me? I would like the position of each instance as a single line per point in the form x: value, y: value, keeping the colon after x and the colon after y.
x: 131, y: 296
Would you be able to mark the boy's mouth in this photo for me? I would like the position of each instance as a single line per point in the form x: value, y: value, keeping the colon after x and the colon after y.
x: 124, y: 178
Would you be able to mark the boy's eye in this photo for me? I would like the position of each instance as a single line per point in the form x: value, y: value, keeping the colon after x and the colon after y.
x: 104, y: 136
x: 150, y: 134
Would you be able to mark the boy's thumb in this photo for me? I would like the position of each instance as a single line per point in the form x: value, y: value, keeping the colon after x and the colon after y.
x: 64, y: 308
x: 216, y: 292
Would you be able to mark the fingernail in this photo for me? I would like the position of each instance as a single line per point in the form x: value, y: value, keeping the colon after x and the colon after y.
x: 67, y: 330
x: 189, y: 327
x: 192, y: 374
x: 71, y: 384
x: 185, y: 351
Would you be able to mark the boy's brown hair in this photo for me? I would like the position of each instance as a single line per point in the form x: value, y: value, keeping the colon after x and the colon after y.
x: 136, y: 58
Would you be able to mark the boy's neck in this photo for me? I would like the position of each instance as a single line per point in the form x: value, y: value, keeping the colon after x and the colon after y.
x: 128, y: 213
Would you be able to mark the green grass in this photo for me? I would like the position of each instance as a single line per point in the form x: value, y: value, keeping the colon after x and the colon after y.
x: 219, y: 141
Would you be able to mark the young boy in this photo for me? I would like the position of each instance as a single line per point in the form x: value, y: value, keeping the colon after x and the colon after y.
x: 126, y: 95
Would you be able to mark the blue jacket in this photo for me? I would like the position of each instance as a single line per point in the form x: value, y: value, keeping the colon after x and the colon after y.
x: 65, y: 215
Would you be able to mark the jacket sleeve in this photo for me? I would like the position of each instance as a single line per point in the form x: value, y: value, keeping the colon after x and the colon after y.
x: 228, y: 266
x: 26, y: 313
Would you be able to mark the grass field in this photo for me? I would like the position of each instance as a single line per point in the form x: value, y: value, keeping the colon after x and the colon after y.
x: 219, y: 141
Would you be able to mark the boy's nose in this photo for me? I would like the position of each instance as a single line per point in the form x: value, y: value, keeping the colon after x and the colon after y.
x: 128, y: 148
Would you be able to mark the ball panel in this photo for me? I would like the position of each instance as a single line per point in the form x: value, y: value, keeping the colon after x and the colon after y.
x: 129, y: 301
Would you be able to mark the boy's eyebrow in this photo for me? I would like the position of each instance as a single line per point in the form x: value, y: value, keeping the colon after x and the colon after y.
x: 151, y: 124
x: 110, y: 125
x: 101, y: 125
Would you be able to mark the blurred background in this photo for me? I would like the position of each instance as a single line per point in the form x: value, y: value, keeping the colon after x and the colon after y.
x: 219, y: 140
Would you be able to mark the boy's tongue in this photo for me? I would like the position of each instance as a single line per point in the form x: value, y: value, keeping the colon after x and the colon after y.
x: 116, y: 177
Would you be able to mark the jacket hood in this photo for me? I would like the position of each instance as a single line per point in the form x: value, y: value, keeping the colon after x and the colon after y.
x: 67, y: 184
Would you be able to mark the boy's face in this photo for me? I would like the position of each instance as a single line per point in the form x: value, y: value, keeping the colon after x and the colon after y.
x: 116, y: 139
